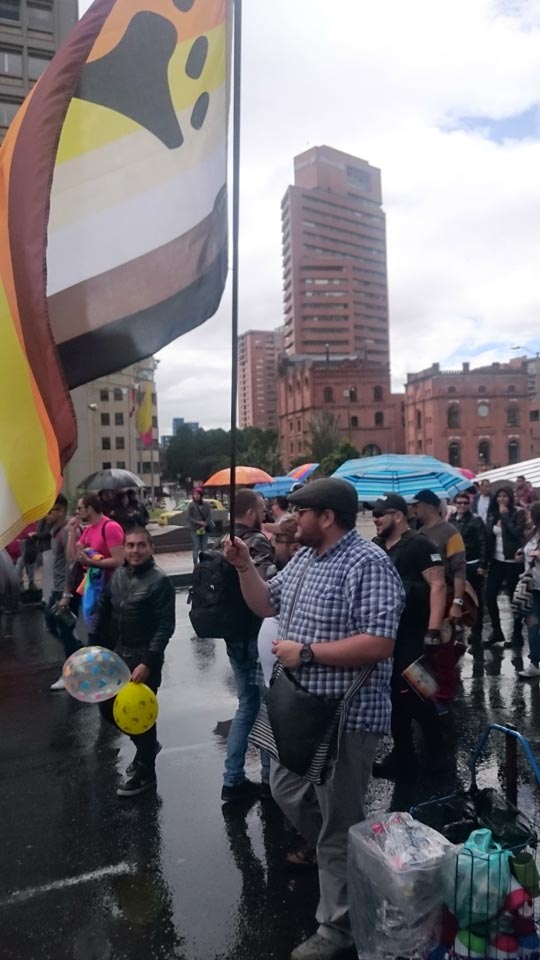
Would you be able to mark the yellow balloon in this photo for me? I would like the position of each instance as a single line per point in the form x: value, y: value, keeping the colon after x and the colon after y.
x: 135, y: 708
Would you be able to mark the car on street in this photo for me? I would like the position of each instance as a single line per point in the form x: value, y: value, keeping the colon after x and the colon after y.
x: 178, y: 516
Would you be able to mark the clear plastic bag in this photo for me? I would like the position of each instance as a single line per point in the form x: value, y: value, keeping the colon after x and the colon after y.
x: 400, y: 872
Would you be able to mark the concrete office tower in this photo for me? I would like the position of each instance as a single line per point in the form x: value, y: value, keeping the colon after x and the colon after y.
x: 30, y: 33
x: 258, y: 352
x: 334, y: 259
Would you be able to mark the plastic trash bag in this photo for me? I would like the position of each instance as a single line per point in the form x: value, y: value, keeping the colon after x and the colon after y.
x: 400, y: 872
x: 482, y: 880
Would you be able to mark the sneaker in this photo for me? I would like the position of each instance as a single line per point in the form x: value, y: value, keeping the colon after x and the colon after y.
x: 530, y: 671
x: 245, y: 790
x: 395, y: 767
x: 130, y: 770
x: 142, y: 780
x: 58, y: 684
x: 319, y: 948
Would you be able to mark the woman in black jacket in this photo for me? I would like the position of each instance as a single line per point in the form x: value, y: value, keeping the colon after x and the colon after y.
x: 505, y: 530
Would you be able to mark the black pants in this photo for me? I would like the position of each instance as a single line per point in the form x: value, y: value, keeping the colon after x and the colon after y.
x: 406, y: 707
x: 144, y: 743
x: 501, y: 574
x: 478, y: 584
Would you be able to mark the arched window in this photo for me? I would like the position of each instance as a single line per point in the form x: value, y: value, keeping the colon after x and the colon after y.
x: 451, y: 389
x: 481, y: 389
x: 453, y: 417
x: 354, y: 422
x: 513, y: 451
x: 512, y: 415
x: 511, y: 389
x: 353, y: 394
x: 484, y: 453
x: 377, y: 394
x: 418, y: 419
x: 454, y: 454
x: 371, y: 450
x: 328, y: 395
x: 379, y: 419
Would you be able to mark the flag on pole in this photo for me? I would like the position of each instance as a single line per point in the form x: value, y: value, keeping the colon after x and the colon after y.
x: 143, y: 421
x: 113, y: 220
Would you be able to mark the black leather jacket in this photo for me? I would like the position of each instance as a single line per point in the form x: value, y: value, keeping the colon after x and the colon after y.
x: 473, y: 531
x: 513, y: 533
x: 136, y: 614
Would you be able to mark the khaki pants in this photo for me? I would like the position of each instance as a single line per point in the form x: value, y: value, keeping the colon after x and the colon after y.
x: 323, y: 817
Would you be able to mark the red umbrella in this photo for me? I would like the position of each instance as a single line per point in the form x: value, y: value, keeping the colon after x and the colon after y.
x: 468, y: 474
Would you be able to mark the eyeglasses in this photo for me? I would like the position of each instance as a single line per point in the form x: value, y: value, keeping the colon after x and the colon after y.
x: 300, y: 510
x: 462, y: 503
x: 377, y: 514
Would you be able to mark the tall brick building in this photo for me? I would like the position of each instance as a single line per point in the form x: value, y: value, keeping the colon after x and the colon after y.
x: 469, y: 418
x: 258, y: 352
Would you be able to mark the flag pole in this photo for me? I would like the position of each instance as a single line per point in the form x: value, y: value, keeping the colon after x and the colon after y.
x: 237, y: 77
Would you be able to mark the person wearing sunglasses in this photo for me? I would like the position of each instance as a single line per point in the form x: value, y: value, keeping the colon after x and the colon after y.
x: 421, y: 569
x: 473, y: 532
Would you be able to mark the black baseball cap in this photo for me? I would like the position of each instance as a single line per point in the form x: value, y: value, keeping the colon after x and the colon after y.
x: 427, y: 496
x: 390, y: 501
x: 329, y: 494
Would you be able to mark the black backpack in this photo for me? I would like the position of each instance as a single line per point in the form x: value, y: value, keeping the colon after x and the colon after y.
x: 218, y: 608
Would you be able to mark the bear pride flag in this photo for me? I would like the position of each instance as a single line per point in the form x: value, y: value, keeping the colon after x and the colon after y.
x: 113, y: 220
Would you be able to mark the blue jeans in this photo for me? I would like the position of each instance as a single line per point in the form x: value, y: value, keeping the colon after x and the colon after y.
x: 199, y: 543
x: 249, y: 701
x: 533, y: 625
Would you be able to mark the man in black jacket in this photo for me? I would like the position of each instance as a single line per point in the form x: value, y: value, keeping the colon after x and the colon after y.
x: 473, y: 532
x: 136, y: 619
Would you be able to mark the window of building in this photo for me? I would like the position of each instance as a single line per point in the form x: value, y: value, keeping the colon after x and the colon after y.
x: 291, y: 446
x: 481, y: 389
x: 105, y: 443
x: 513, y: 451
x: 105, y: 419
x: 451, y: 389
x: 453, y: 416
x: 354, y: 422
x: 418, y: 419
x: 119, y: 419
x: 484, y: 453
x: 118, y: 393
x: 40, y: 17
x: 8, y: 109
x: 511, y: 389
x: 10, y: 63
x: 120, y: 464
x: 154, y: 421
x: 36, y: 66
x: 512, y: 416
x: 106, y: 465
x: 534, y: 416
x: 328, y: 395
x: 454, y: 454
x: 104, y: 396
x: 146, y: 466
x: 353, y: 394
x: 10, y: 9
x: 379, y: 419
x: 377, y: 394
x: 120, y: 443
x: 371, y: 450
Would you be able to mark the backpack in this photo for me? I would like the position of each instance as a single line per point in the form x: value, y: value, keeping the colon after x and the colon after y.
x: 218, y: 608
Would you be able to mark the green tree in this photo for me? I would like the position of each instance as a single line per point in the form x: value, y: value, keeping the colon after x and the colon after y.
x: 343, y: 452
x: 324, y: 435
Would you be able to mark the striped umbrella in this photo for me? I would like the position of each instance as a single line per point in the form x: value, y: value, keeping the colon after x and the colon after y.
x: 406, y: 475
x: 302, y: 472
x: 279, y: 487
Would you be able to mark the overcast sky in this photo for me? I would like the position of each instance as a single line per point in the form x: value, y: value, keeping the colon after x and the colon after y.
x: 444, y: 97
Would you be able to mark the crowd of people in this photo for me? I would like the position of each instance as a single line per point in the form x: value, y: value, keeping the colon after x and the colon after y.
x: 334, y: 623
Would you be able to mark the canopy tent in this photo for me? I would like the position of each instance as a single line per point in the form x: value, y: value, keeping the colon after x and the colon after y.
x: 530, y: 469
x: 399, y: 473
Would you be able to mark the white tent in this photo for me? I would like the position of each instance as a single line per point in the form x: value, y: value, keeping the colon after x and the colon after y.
x: 530, y: 469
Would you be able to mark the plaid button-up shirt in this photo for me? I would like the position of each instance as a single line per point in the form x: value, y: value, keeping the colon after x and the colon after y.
x: 353, y: 588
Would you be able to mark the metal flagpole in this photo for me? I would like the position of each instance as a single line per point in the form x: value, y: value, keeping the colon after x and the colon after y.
x: 237, y: 78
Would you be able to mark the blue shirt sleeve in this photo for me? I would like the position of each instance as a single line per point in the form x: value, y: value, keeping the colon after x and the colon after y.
x: 275, y: 586
x: 376, y: 597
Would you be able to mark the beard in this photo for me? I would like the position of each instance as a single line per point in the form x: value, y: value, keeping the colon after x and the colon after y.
x: 388, y: 531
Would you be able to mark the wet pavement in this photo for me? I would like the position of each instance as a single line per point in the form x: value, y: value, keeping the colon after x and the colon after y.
x: 86, y: 876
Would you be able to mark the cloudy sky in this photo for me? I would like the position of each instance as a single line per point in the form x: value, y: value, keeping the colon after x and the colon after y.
x: 444, y: 97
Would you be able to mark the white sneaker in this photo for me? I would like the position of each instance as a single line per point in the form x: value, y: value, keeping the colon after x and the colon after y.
x: 530, y: 671
x: 59, y: 684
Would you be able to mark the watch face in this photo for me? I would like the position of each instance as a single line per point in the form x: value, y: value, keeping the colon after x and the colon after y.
x: 306, y: 654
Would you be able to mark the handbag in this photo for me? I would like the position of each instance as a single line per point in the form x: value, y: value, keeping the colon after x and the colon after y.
x: 300, y: 729
x: 522, y: 599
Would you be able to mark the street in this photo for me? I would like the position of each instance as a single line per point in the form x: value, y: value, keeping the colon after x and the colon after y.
x: 87, y: 876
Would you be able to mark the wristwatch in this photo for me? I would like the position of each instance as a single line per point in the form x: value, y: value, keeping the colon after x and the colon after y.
x: 458, y: 601
x: 306, y: 654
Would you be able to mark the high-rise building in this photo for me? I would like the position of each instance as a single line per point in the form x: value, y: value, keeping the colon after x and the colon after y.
x: 30, y: 33
x: 334, y: 258
x: 258, y: 352
x: 106, y: 423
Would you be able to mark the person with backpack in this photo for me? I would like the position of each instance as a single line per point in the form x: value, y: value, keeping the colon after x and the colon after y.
x: 241, y: 643
x: 199, y: 517
x: 64, y: 602
x: 421, y: 569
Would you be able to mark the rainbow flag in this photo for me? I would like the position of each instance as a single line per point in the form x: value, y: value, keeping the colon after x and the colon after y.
x: 113, y: 220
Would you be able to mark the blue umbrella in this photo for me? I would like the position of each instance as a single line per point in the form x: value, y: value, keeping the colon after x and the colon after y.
x: 279, y: 487
x: 406, y: 475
